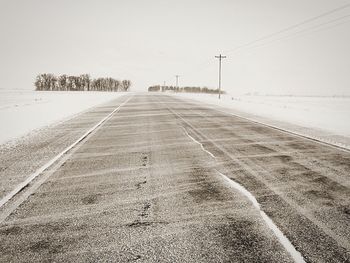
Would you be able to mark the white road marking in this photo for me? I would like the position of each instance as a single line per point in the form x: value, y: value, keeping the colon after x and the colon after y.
x: 278, y: 233
x: 296, y: 255
x: 25, y: 183
x: 342, y: 241
x: 308, y: 137
x: 193, y: 139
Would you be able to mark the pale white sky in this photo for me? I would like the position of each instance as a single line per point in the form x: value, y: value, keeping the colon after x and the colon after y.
x: 150, y: 41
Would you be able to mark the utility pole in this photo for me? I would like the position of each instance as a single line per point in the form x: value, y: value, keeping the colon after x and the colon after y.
x: 220, y: 57
x: 177, y: 81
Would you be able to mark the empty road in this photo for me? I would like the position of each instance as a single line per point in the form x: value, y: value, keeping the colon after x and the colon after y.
x: 164, y: 179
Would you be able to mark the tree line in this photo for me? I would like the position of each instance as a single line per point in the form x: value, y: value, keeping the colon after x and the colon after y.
x: 184, y: 89
x: 82, y: 82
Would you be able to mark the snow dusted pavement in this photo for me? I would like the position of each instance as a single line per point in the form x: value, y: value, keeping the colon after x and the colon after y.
x: 24, y: 157
x: 322, y: 118
x: 59, y: 156
x: 169, y: 180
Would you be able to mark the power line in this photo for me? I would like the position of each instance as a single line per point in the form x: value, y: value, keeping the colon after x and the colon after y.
x: 289, y: 28
x: 307, y: 30
x: 250, y: 44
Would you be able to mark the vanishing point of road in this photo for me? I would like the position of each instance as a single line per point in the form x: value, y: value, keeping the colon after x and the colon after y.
x: 165, y: 179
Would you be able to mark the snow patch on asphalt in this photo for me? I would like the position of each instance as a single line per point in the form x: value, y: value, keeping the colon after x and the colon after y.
x: 193, y: 139
x: 296, y: 255
x: 278, y: 233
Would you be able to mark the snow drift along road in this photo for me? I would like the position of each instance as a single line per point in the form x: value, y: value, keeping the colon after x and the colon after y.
x: 24, y: 111
x: 322, y: 118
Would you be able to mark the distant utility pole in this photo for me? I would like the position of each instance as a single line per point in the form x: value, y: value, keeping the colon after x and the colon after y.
x: 220, y: 57
x: 177, y: 80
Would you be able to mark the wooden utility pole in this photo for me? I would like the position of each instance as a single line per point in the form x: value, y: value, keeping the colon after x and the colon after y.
x: 177, y: 80
x: 220, y: 57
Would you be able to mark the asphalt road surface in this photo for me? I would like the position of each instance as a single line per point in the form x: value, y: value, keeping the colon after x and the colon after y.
x: 165, y: 179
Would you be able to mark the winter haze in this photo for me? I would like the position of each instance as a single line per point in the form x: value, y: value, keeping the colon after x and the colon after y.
x: 173, y: 169
x: 151, y: 41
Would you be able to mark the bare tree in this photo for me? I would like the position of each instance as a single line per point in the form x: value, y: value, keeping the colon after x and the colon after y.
x: 184, y: 89
x: 82, y: 82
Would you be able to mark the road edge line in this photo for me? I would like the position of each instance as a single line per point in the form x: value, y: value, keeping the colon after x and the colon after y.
x: 294, y: 133
x: 40, y: 170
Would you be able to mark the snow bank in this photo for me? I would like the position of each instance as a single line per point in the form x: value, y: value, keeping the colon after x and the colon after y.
x: 322, y: 118
x: 24, y: 111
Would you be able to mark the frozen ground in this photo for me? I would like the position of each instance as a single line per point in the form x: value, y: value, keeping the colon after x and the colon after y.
x: 322, y: 118
x: 23, y: 111
x: 166, y: 179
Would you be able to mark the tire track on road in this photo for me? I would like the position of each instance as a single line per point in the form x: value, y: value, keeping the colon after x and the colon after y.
x: 286, y: 131
x: 252, y: 168
x: 324, y: 230
x: 285, y: 242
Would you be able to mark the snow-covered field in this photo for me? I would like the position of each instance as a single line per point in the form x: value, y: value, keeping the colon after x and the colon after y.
x: 23, y: 111
x: 323, y: 118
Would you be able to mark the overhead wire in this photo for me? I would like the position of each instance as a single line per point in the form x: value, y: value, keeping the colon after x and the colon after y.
x: 289, y: 28
x: 320, y: 27
x: 250, y: 45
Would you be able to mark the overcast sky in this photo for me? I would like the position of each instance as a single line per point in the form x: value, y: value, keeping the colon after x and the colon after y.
x: 150, y: 41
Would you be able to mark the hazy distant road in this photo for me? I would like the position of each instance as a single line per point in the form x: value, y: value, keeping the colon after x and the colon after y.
x: 149, y: 186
